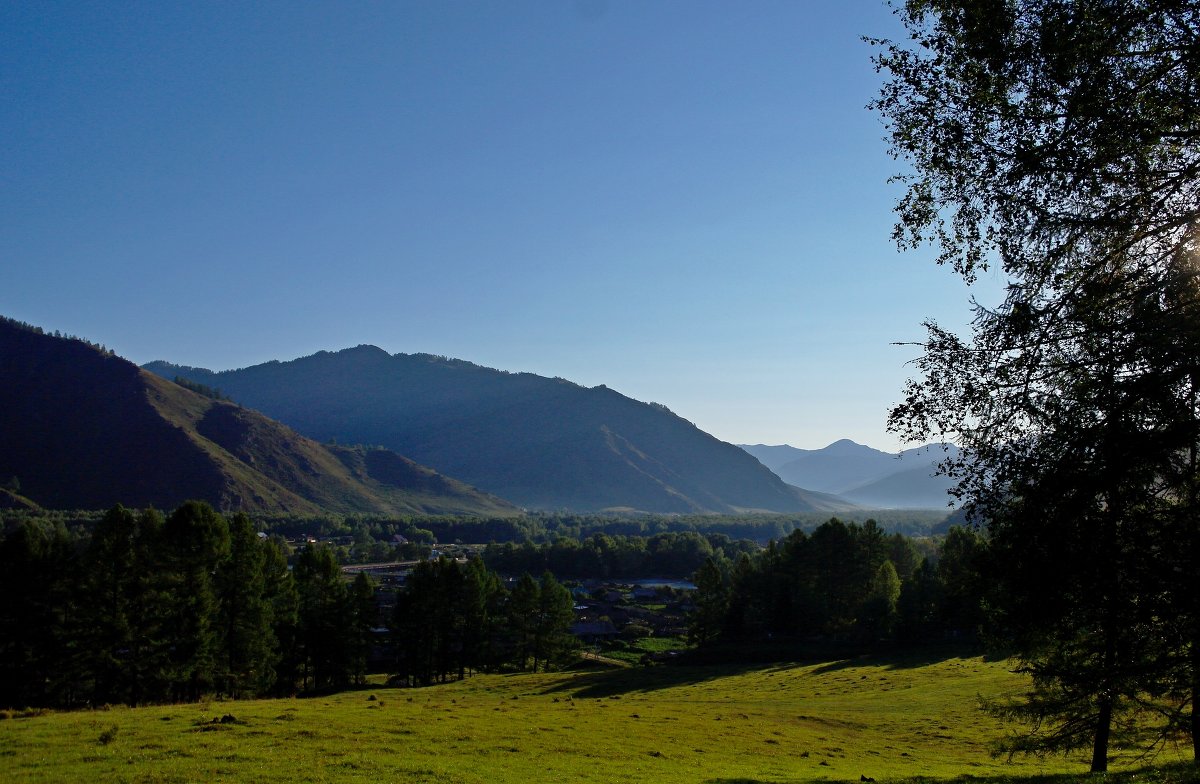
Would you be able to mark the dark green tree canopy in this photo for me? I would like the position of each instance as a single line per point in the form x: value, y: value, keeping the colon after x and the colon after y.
x: 1044, y: 132
x: 1059, y: 142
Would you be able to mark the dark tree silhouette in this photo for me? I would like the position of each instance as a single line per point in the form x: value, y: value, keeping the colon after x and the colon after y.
x: 1060, y: 143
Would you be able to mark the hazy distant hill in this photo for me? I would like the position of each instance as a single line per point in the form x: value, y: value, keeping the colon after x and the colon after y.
x: 861, y: 474
x: 544, y: 443
x: 82, y: 428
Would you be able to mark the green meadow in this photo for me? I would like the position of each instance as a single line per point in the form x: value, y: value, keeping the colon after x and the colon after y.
x: 886, y: 720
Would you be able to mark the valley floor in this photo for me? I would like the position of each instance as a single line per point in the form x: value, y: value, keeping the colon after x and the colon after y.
x: 841, y: 721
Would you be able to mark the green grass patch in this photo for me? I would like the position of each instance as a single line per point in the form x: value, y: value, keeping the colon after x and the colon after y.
x: 661, y: 644
x: 628, y: 654
x: 633, y: 652
x: 899, y: 720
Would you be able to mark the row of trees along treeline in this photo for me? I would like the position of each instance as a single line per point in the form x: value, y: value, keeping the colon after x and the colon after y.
x: 148, y: 609
x: 1056, y: 145
x: 849, y: 585
x: 601, y: 556
x: 542, y: 527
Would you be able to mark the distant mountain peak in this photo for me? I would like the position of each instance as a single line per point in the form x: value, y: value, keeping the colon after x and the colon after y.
x: 846, y: 445
x: 863, y: 474
x: 366, y: 349
x: 363, y: 352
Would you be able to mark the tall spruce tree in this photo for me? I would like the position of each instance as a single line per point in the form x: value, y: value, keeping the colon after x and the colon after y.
x: 361, y: 619
x: 552, y: 638
x: 711, y: 599
x: 481, y: 604
x: 36, y: 656
x: 249, y: 648
x: 321, y: 604
x: 522, y: 620
x: 122, y: 609
x: 279, y: 594
x: 194, y: 542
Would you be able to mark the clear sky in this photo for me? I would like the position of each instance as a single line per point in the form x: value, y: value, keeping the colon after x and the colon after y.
x: 686, y: 201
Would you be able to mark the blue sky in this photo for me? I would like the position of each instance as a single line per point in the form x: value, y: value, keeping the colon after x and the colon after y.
x: 686, y: 201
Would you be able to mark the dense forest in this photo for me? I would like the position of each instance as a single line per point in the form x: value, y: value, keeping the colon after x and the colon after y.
x: 135, y: 607
x: 617, y: 557
x: 853, y: 586
x: 154, y: 609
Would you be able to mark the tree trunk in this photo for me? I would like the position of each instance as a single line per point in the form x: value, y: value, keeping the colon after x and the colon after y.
x: 1103, y: 728
x: 1195, y: 721
x: 1194, y: 552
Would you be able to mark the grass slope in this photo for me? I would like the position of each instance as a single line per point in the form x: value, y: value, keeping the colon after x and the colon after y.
x: 782, y: 723
x: 269, y: 467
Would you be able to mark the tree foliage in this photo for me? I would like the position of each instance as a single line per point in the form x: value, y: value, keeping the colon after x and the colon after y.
x: 1059, y: 142
x: 454, y: 617
x: 149, y: 609
x: 840, y: 585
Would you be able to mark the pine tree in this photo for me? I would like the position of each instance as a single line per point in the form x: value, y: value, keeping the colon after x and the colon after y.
x: 522, y: 621
x: 195, y: 542
x: 880, y: 608
x: 36, y: 560
x: 552, y: 638
x: 361, y: 620
x: 282, y: 601
x: 247, y: 640
x: 482, y: 605
x: 711, y: 600
x: 320, y: 620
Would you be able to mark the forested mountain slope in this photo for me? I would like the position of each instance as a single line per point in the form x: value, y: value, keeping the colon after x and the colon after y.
x: 541, y: 442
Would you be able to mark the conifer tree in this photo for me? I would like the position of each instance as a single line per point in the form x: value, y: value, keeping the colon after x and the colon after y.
x: 552, y: 638
x: 880, y: 608
x: 522, y: 620
x: 482, y: 605
x: 195, y: 542
x: 279, y: 594
x: 711, y: 599
x: 36, y: 560
x: 322, y: 597
x: 360, y: 616
x: 247, y: 639
x: 109, y: 580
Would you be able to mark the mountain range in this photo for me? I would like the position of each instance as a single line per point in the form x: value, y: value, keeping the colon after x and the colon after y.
x: 863, y: 475
x: 544, y: 443
x: 83, y: 428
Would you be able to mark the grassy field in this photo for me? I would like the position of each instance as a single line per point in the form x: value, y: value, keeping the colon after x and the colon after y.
x: 890, y: 721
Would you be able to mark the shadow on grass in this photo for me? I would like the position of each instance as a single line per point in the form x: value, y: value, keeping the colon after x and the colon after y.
x: 911, y: 658
x: 722, y: 663
x: 613, y: 682
x: 1175, y: 773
